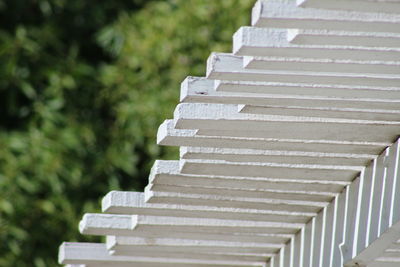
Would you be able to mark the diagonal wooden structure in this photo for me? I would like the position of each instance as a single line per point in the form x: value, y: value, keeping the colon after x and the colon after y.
x: 289, y: 151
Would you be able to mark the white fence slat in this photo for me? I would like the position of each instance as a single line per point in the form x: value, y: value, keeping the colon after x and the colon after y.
x: 328, y: 234
x: 393, y: 172
x: 379, y: 172
x: 340, y: 203
x: 296, y: 252
x: 317, y: 238
x: 306, y: 244
x: 350, y: 219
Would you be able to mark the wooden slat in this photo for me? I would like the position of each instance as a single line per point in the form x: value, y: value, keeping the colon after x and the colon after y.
x: 168, y: 135
x: 230, y: 67
x: 270, y: 204
x: 96, y: 255
x: 286, y: 14
x: 343, y: 38
x: 321, y: 65
x: 219, y: 116
x: 117, y: 202
x: 358, y: 5
x: 123, y: 225
x: 363, y: 100
x: 254, y: 41
x: 256, y: 155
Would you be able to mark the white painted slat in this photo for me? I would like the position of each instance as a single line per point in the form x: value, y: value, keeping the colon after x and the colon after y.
x: 286, y: 14
x: 123, y: 245
x: 340, y: 205
x: 353, y: 5
x: 343, y: 38
x: 253, y: 41
x: 237, y: 237
x: 296, y: 257
x: 123, y: 225
x: 230, y: 67
x: 232, y: 192
x: 142, y: 252
x: 328, y: 234
x: 275, y: 261
x: 326, y: 139
x: 317, y: 230
x: 272, y: 170
x: 363, y: 98
x: 193, y: 255
x: 347, y: 247
x: 234, y: 202
x: 321, y: 65
x: 254, y: 155
x: 201, y: 90
x: 167, y: 172
x: 281, y: 255
x: 219, y: 116
x: 364, y: 202
x: 250, y: 169
x: 168, y: 135
x: 92, y: 254
x: 375, y: 206
x: 117, y: 202
x: 306, y: 240
x: 378, y: 115
x: 138, y: 244
x: 387, y: 191
x: 286, y: 252
x: 394, y: 177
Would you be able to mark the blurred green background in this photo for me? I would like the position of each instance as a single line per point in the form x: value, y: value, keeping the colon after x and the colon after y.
x: 84, y: 86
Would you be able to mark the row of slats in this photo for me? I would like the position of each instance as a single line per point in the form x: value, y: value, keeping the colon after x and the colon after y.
x: 359, y: 228
x: 277, y: 129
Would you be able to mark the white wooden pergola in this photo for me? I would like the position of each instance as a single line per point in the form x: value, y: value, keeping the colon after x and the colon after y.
x: 289, y: 151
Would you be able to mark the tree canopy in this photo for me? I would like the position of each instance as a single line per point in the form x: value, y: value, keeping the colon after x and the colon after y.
x: 84, y: 86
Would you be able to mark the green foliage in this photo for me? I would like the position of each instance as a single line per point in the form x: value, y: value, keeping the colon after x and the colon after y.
x: 84, y: 86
